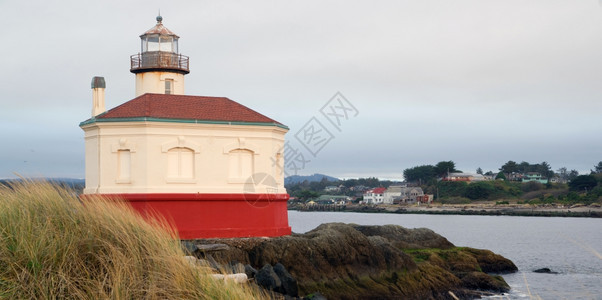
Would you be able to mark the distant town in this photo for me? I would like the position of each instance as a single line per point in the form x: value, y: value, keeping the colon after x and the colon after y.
x: 518, y: 183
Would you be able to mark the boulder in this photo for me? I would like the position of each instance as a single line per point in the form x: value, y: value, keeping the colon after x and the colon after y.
x: 545, y: 271
x: 482, y: 281
x: 268, y: 279
x: 289, y: 284
x: 315, y: 296
x: 212, y: 247
x: 491, y: 262
x: 250, y: 271
x: 237, y: 267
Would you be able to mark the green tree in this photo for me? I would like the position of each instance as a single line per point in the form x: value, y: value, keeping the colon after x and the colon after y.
x: 442, y: 167
x: 350, y: 182
x: 422, y: 174
x: 479, y: 190
x: 563, y: 173
x: 509, y: 167
x: 583, y: 183
x: 307, y: 194
x: 479, y: 171
x: 573, y: 174
x: 451, y: 188
x: 597, y: 168
x: 545, y: 170
x: 500, y: 175
x: 524, y: 167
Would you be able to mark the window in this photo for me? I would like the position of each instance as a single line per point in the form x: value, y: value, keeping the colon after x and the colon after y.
x: 123, y: 166
x: 180, y: 163
x: 241, y: 164
x: 168, y: 86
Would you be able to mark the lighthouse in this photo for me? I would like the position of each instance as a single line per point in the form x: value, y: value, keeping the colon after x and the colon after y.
x: 159, y: 68
x: 210, y: 166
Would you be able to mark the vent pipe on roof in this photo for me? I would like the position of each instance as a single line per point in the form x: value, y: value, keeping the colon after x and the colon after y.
x: 98, y: 95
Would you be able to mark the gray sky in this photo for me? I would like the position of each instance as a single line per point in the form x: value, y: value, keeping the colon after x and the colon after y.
x: 474, y: 81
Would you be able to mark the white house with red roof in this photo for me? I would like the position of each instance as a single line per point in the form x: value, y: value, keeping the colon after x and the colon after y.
x: 211, y: 166
x: 374, y: 196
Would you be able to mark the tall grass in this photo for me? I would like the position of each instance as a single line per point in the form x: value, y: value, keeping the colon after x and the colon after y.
x: 53, y: 246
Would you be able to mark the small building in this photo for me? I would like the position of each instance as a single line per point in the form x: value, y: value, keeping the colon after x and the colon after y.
x: 334, y: 199
x: 332, y: 188
x: 427, y: 199
x: 534, y: 176
x: 374, y: 196
x: 396, y: 194
x: 392, y: 193
x: 466, y: 177
x: 209, y: 165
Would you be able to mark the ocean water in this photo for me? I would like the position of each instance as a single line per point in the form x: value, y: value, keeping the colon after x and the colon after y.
x: 570, y: 246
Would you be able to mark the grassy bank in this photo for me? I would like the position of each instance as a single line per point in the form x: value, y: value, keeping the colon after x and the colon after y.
x: 52, y: 246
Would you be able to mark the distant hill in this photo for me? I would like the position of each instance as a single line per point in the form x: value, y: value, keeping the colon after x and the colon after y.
x: 294, y: 179
x: 69, y: 182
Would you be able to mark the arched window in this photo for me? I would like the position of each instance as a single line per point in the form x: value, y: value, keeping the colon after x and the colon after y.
x: 241, y: 164
x: 180, y: 163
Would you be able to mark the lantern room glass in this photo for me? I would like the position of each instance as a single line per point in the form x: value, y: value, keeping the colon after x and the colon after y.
x: 163, y: 43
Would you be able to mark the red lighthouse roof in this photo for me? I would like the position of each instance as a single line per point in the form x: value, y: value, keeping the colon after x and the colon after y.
x: 198, y: 109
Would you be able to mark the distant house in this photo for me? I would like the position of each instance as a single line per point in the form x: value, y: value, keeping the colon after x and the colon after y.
x: 359, y: 188
x: 514, y: 176
x: 534, y: 176
x: 332, y: 188
x: 374, y: 196
x: 425, y: 199
x: 557, y: 179
x: 332, y: 199
x: 466, y: 177
x: 396, y: 194
x: 392, y: 193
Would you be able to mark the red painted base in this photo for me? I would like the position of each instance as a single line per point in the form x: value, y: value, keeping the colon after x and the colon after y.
x: 198, y: 216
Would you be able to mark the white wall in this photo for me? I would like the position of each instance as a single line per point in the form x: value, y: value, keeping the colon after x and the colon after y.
x: 213, y: 153
x: 154, y: 82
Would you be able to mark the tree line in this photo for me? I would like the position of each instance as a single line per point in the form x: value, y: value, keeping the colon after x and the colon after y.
x: 586, y: 188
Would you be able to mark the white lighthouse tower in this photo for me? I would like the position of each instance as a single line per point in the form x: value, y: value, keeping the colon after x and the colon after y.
x: 159, y: 68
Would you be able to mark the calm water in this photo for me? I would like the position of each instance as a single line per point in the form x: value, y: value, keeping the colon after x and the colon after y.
x: 570, y: 246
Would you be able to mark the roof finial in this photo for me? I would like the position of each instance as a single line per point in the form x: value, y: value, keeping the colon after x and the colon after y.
x: 159, y: 18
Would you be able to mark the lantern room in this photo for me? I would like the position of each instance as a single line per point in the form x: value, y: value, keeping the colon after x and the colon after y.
x: 159, y: 68
x: 159, y: 38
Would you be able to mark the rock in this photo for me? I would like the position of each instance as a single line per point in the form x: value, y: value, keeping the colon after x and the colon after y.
x: 289, y: 284
x: 315, y: 296
x: 250, y: 271
x: 545, y: 271
x: 212, y: 247
x: 215, y: 265
x: 268, y: 279
x: 237, y: 267
x: 491, y: 262
x: 193, y: 261
x: 404, y: 238
x: 237, y: 278
x: 349, y: 261
x: 482, y: 281
x: 188, y: 246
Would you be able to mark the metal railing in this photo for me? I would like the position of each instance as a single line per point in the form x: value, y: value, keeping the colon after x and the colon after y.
x: 159, y: 60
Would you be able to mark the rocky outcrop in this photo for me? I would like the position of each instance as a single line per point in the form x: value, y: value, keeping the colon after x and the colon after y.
x: 545, y: 271
x: 348, y: 261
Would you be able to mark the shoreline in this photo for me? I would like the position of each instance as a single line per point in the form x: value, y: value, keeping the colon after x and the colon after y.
x: 480, y: 209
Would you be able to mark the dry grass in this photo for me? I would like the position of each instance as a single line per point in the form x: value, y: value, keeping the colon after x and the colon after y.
x: 52, y: 246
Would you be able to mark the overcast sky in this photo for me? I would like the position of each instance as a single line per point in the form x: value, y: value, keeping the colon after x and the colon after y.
x: 474, y: 81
